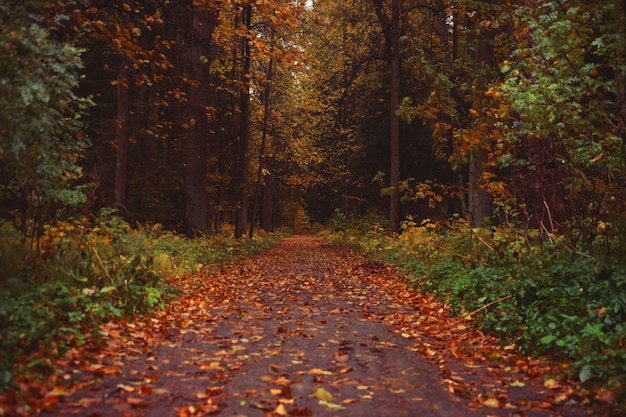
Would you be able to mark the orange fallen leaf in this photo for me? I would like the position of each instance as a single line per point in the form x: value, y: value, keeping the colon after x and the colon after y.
x: 126, y: 388
x: 492, y: 402
x: 318, y: 371
x: 280, y: 410
x: 211, y: 366
x: 429, y: 352
x: 551, y: 383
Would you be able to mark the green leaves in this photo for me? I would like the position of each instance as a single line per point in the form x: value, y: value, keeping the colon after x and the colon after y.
x: 561, y: 81
x: 40, y: 140
x: 539, y: 294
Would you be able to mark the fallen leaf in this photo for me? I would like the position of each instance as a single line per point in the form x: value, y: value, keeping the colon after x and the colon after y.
x: 161, y: 391
x: 322, y: 394
x: 429, y: 352
x: 332, y: 406
x: 211, y: 366
x: 280, y: 410
x: 492, y: 402
x: 126, y: 388
x: 349, y: 401
x: 552, y: 384
x: 318, y: 371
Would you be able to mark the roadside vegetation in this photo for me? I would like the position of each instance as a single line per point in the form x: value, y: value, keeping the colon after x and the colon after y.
x: 534, y: 289
x: 56, y: 291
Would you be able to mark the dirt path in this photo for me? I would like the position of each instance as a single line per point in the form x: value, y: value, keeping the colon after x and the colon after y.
x: 303, y: 329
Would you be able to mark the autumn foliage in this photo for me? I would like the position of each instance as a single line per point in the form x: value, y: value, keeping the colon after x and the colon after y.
x: 489, y: 135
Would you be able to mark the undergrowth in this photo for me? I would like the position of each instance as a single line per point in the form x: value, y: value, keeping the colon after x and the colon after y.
x: 57, y: 290
x: 529, y: 288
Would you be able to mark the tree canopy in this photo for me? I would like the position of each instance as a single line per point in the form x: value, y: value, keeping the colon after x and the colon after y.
x: 209, y: 113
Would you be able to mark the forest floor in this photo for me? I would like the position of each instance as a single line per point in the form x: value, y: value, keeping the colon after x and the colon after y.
x: 304, y: 329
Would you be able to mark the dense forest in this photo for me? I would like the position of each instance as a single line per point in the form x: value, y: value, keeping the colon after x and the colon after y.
x: 492, y: 131
x: 210, y: 113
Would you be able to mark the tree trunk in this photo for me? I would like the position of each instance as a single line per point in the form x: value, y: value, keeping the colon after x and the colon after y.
x: 266, y: 119
x: 483, y: 56
x: 479, y: 201
x: 267, y: 212
x: 121, y: 137
x: 205, y: 20
x: 391, y: 30
x: 241, y: 221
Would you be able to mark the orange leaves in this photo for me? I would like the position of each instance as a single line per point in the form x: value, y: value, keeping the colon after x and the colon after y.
x: 301, y: 330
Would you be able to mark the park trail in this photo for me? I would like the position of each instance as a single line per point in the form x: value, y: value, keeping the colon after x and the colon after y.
x: 304, y: 329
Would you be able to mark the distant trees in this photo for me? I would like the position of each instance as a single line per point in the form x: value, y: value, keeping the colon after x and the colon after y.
x: 208, y: 112
x: 521, y: 103
x: 172, y: 133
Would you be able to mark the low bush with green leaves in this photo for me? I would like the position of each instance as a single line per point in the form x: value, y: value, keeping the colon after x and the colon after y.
x: 58, y: 289
x: 529, y: 288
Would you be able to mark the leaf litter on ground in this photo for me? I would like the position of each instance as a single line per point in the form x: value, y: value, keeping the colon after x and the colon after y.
x: 301, y: 329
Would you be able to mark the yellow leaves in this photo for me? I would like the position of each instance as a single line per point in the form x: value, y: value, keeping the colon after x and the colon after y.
x: 331, y: 406
x: 551, y: 383
x: 491, y: 402
x: 322, y: 394
x: 126, y: 388
x: 318, y: 371
x: 213, y: 366
x: 280, y: 410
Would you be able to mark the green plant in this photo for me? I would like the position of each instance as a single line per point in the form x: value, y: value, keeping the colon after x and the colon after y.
x: 529, y: 288
x: 80, y: 274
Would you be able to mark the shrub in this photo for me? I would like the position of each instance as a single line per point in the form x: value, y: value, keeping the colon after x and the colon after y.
x: 56, y: 290
x: 529, y: 288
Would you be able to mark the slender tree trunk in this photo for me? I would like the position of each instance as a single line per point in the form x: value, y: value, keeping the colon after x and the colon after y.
x: 205, y: 20
x: 483, y: 54
x: 267, y: 212
x: 391, y: 29
x: 121, y: 137
x: 266, y: 119
x: 221, y: 187
x: 479, y: 201
x: 394, y: 203
x: 241, y: 221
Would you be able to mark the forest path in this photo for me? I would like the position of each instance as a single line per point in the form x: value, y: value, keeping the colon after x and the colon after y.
x: 303, y: 329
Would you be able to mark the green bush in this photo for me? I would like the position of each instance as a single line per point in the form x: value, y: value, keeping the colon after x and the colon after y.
x: 56, y: 290
x: 531, y: 289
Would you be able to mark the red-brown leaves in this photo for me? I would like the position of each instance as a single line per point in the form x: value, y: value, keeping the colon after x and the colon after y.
x: 303, y: 329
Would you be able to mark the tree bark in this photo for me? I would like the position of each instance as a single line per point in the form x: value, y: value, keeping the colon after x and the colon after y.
x: 483, y: 57
x: 266, y: 118
x: 241, y: 221
x: 267, y: 212
x: 391, y: 30
x: 205, y: 20
x: 122, y: 135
